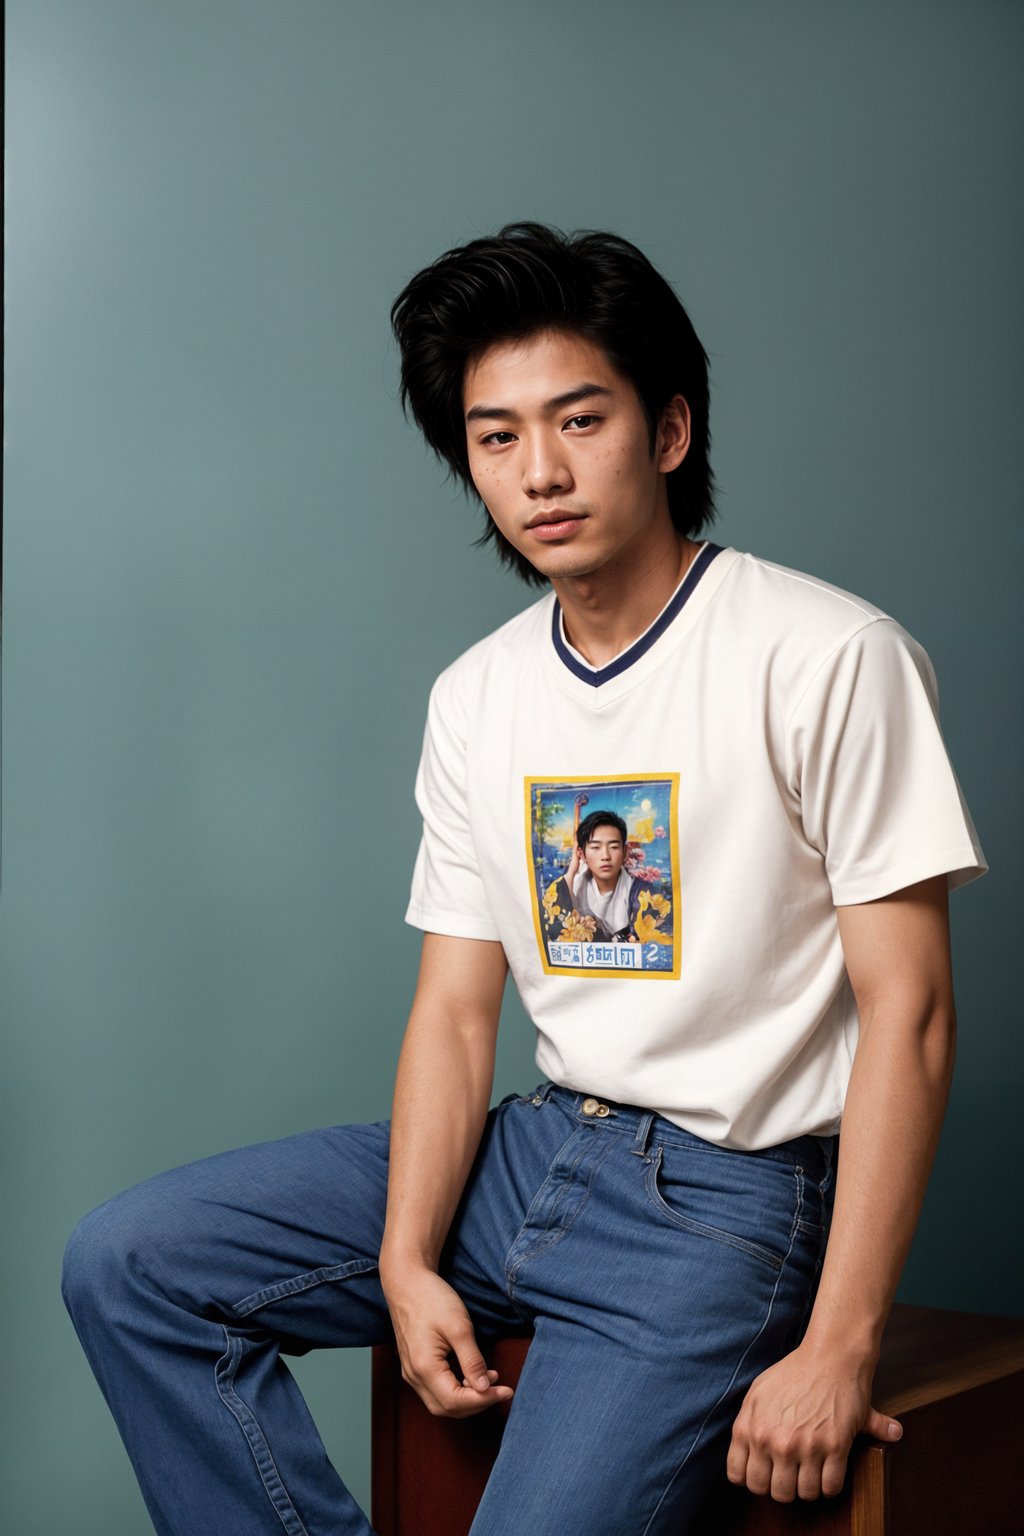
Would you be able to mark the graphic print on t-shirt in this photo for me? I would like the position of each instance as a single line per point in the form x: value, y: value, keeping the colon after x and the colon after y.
x: 604, y: 860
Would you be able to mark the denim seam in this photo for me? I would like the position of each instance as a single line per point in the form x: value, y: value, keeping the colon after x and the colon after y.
x: 589, y: 1189
x: 711, y: 1149
x: 303, y: 1282
x: 700, y: 1228
x: 548, y: 1238
x: 739, y: 1364
x: 820, y: 1228
x: 542, y: 1186
x: 811, y: 1290
x: 812, y: 1228
x: 798, y: 1213
x: 253, y: 1432
x: 821, y: 1232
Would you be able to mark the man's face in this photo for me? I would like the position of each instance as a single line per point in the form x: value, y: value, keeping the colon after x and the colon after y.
x: 603, y: 853
x: 559, y: 452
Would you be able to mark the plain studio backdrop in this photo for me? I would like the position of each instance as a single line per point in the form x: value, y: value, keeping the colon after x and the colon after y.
x: 233, y: 571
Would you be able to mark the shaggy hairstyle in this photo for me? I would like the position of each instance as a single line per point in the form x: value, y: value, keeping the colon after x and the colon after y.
x: 596, y: 819
x: 529, y: 278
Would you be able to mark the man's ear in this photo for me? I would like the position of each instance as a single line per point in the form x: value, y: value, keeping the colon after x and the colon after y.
x: 673, y: 441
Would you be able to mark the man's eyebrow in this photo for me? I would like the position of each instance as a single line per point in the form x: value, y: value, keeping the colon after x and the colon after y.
x: 571, y: 397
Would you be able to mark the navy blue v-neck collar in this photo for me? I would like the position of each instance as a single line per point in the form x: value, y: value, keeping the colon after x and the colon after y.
x: 598, y: 675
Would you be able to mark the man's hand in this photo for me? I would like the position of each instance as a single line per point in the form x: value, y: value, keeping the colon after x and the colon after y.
x: 431, y: 1322
x: 793, y: 1434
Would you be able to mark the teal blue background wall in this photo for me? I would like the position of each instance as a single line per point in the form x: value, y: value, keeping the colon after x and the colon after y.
x: 232, y: 571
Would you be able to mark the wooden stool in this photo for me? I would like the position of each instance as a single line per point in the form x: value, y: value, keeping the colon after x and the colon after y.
x: 955, y: 1380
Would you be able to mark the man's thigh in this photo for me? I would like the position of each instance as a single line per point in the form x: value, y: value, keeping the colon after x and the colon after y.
x: 661, y: 1281
x: 283, y: 1235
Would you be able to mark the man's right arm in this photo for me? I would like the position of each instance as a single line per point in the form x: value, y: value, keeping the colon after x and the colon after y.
x: 442, y: 1094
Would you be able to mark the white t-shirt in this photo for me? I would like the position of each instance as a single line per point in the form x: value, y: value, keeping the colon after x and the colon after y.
x: 773, y: 745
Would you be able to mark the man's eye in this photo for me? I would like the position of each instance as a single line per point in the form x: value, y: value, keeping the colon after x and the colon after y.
x: 492, y: 435
x: 586, y: 420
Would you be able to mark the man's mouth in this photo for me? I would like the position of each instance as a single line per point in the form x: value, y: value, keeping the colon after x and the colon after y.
x: 556, y: 524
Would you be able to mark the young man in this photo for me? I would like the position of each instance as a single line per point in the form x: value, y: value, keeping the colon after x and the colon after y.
x: 597, y: 897
x: 657, y: 1209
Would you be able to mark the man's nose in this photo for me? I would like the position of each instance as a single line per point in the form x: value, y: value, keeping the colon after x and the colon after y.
x: 545, y: 472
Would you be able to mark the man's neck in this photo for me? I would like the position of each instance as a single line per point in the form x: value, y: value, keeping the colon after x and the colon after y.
x: 603, y: 613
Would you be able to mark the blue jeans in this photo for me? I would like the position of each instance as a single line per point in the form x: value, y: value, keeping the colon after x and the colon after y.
x: 659, y: 1273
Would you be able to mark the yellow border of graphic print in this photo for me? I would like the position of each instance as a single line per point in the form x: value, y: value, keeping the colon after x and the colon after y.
x: 671, y: 779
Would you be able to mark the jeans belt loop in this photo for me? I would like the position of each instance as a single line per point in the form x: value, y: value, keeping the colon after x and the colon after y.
x: 643, y: 1132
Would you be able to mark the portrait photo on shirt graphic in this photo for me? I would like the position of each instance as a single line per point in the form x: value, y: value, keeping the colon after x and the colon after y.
x: 698, y: 806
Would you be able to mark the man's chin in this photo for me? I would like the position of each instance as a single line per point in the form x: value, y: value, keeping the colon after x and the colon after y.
x: 563, y: 564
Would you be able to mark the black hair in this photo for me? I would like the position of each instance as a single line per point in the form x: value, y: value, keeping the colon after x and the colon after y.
x: 531, y: 277
x: 596, y: 819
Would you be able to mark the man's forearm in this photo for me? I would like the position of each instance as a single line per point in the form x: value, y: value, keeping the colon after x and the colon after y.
x: 893, y: 1114
x: 442, y: 1092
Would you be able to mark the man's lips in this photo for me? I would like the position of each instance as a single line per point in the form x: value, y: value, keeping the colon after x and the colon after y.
x: 555, y: 524
x: 554, y: 515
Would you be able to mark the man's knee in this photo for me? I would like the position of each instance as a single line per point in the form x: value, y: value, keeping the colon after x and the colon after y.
x: 107, y: 1251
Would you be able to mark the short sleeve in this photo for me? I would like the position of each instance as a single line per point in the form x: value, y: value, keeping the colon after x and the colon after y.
x: 878, y: 795
x: 448, y: 895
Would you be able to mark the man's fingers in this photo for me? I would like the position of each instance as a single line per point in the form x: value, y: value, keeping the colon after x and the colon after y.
x: 882, y: 1426
x: 736, y: 1461
x: 474, y: 1366
x: 445, y: 1396
x: 784, y: 1477
x: 477, y: 1390
x: 462, y: 1401
x: 459, y: 1399
x: 783, y: 1484
x: 759, y: 1471
x: 832, y: 1474
x: 808, y: 1481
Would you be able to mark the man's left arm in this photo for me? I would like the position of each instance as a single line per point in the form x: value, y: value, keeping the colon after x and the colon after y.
x: 793, y: 1434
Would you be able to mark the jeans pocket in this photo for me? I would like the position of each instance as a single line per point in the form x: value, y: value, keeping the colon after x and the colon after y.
x: 746, y: 1202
